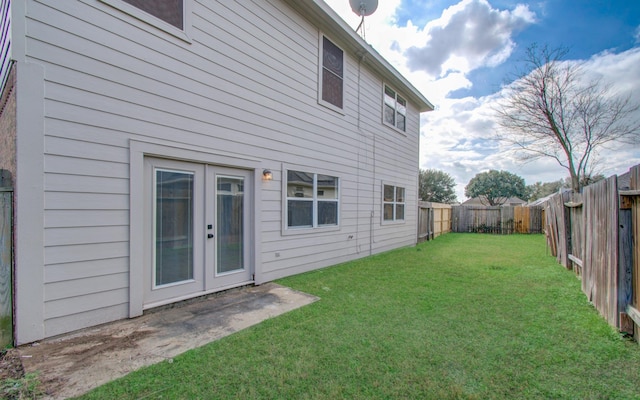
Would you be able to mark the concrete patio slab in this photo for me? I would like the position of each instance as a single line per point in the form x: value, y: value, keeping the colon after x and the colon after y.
x: 70, y: 365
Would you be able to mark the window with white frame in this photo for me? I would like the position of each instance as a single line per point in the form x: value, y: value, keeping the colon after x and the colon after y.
x: 331, y: 74
x: 393, y: 202
x: 170, y: 16
x: 169, y: 11
x: 312, y: 200
x: 395, y: 109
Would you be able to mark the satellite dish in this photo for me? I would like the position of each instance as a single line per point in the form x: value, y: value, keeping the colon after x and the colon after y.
x: 364, y: 8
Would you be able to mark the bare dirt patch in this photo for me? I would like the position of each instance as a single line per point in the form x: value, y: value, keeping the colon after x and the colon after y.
x: 62, y: 364
x: 10, y: 365
x: 73, y: 364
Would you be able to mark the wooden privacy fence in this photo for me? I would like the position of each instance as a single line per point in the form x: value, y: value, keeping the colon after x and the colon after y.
x: 434, y: 219
x: 6, y: 262
x: 595, y: 233
x: 502, y: 220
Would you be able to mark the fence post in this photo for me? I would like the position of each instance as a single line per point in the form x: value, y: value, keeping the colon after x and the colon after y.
x: 634, y: 192
x: 6, y: 259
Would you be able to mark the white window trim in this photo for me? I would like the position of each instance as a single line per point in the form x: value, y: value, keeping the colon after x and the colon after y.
x: 138, y: 151
x: 394, y: 127
x: 286, y: 230
x: 141, y: 15
x: 394, y: 202
x: 320, y: 71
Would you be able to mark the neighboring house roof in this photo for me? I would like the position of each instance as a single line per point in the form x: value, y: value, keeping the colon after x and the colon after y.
x: 624, y: 181
x: 327, y: 20
x: 542, y: 200
x: 512, y: 201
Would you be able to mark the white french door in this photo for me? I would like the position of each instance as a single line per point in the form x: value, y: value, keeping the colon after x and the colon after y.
x: 197, y: 225
x: 228, y: 220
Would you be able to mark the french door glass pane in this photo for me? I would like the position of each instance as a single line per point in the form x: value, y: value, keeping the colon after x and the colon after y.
x: 230, y: 224
x: 174, y: 226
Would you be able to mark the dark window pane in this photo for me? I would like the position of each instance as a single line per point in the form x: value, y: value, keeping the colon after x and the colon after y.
x: 299, y: 213
x: 332, y: 57
x: 170, y: 11
x: 331, y: 88
x: 389, y: 115
x: 388, y: 212
x: 402, y: 122
x: 327, y: 213
x: 400, y: 195
x: 388, y: 193
x: 399, y: 211
x: 390, y: 95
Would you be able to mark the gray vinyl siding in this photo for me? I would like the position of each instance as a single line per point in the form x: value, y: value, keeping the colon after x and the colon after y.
x: 5, y: 42
x: 245, y: 85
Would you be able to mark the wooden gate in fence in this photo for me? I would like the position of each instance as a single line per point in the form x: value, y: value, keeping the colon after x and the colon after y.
x: 434, y: 219
x: 593, y: 234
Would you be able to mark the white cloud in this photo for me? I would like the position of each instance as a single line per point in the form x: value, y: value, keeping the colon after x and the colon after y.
x: 468, y: 35
x: 457, y: 136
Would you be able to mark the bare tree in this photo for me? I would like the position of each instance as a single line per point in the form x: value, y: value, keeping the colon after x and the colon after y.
x: 556, y: 111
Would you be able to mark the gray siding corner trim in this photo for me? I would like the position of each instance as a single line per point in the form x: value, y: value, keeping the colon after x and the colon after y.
x: 29, y: 192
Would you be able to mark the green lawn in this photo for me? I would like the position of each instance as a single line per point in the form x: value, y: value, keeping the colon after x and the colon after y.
x: 463, y: 317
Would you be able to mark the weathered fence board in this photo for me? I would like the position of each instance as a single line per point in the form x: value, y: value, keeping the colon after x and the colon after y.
x: 6, y: 305
x: 600, y: 270
x: 597, y: 234
x: 557, y: 227
x: 635, y: 218
x: 625, y: 274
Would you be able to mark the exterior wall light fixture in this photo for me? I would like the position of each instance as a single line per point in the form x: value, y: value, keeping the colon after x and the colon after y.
x: 267, y: 175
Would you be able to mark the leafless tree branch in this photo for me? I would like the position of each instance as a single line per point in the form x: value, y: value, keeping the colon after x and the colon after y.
x: 552, y: 111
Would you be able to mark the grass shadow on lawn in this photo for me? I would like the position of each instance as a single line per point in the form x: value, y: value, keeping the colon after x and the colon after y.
x: 466, y: 316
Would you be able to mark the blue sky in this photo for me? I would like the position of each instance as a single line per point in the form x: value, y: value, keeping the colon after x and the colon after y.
x: 459, y: 54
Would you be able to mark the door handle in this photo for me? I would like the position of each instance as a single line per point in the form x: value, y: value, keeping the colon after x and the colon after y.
x: 209, y: 235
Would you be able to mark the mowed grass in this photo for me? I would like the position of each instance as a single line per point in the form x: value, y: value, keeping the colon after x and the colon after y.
x: 463, y: 317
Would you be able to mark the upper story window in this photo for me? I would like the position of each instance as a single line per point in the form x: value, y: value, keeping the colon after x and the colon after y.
x: 395, y: 109
x: 393, y: 203
x: 170, y: 11
x: 170, y: 16
x: 331, y: 74
x: 312, y: 200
